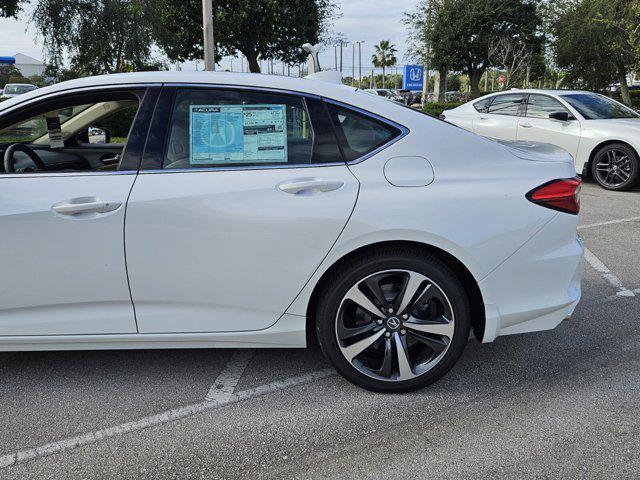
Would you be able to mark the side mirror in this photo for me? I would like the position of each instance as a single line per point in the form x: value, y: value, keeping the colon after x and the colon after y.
x: 562, y: 116
x: 94, y: 135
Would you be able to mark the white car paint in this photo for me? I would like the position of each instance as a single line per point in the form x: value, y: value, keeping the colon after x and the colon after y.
x: 227, y: 259
x: 580, y: 137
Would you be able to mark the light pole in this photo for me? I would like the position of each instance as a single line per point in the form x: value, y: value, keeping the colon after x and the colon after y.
x: 360, y: 42
x: 207, y: 28
x: 341, y: 43
x: 353, y: 64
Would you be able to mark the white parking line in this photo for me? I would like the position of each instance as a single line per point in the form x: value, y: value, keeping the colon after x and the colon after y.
x: 610, y: 298
x: 227, y: 381
x: 158, y: 419
x: 609, y: 222
x: 605, y: 273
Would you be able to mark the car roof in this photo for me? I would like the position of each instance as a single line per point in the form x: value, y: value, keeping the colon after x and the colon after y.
x: 542, y: 91
x: 277, y: 82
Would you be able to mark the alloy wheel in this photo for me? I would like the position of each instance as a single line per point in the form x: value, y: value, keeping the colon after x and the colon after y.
x: 394, y: 325
x: 613, y: 168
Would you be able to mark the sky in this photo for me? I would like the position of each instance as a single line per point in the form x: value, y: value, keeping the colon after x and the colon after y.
x: 368, y: 20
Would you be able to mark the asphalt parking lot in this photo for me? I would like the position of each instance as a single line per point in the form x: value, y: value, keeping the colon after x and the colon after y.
x: 559, y: 403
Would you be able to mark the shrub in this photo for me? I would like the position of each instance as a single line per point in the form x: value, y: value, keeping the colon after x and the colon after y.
x: 434, y: 109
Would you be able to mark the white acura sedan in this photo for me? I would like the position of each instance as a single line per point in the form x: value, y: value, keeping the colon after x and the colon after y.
x: 259, y: 211
x: 602, y: 135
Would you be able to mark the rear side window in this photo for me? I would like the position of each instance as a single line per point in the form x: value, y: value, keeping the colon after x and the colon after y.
x: 508, y: 104
x: 540, y: 106
x: 360, y: 134
x: 483, y: 104
x: 227, y: 128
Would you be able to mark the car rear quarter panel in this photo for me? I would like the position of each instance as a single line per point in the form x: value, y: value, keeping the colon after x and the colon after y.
x: 475, y: 209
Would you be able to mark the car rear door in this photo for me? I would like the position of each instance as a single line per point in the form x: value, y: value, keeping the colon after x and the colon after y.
x: 536, y: 125
x: 62, y: 259
x: 242, y: 194
x: 500, y: 118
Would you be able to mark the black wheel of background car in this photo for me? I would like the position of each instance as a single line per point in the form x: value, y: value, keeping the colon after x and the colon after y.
x: 393, y: 320
x: 616, y: 167
x: 9, y: 160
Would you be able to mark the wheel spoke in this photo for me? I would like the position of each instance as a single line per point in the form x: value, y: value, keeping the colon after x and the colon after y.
x: 434, y: 343
x: 395, y: 349
x: 360, y: 346
x: 404, y: 367
x: 622, y: 174
x: 445, y: 328
x: 373, y: 285
x: 386, y: 370
x: 360, y: 299
x: 409, y: 291
x: 346, y: 333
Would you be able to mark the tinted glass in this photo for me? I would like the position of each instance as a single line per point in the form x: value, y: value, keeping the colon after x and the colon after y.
x: 359, y: 134
x: 540, y: 106
x: 18, y: 89
x: 592, y: 106
x: 28, y: 130
x: 325, y: 145
x: 482, y: 104
x: 218, y: 128
x: 508, y: 104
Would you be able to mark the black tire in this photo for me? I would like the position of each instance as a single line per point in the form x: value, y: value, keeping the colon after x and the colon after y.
x: 627, y: 175
x: 384, y: 260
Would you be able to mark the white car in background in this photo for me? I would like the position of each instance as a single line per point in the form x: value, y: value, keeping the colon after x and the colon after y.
x: 14, y: 89
x: 602, y: 135
x: 263, y: 211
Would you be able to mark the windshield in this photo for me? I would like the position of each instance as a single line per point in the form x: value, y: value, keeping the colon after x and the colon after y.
x: 594, y: 107
x: 18, y: 89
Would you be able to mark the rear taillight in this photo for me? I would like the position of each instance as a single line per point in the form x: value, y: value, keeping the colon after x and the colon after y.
x: 562, y: 195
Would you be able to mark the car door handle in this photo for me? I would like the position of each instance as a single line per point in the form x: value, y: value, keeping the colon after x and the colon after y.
x: 484, y: 118
x: 77, y: 206
x: 526, y: 125
x: 303, y: 186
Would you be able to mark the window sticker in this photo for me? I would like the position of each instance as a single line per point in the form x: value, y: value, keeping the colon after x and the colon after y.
x: 55, y: 131
x: 237, y: 134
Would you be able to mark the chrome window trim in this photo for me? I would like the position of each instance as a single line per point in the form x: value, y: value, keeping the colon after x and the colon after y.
x: 227, y: 86
x: 79, y: 90
x: 242, y: 168
x: 66, y: 174
x: 212, y: 86
x: 526, y: 111
x: 404, y: 131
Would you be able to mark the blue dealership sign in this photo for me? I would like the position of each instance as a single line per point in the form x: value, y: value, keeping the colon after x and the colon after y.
x: 7, y: 60
x: 413, y: 77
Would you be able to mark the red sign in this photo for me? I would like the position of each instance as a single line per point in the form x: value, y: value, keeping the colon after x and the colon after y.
x: 502, y: 79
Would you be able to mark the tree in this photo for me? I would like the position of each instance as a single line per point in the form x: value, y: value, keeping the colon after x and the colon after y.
x: 464, y: 29
x: 258, y: 29
x: 7, y: 72
x: 384, y: 56
x: 592, y: 46
x: 98, y: 36
x: 9, y: 8
x: 512, y: 55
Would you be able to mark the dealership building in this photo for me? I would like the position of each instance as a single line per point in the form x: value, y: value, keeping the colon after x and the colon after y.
x: 27, y: 65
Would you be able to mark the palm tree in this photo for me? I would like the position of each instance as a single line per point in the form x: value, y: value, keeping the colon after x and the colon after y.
x: 384, y: 56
